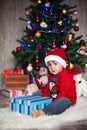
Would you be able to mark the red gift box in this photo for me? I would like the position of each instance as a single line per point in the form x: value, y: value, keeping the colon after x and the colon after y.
x: 16, y: 82
x: 12, y: 72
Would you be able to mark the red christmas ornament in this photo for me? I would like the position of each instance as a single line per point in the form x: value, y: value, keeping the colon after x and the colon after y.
x: 76, y: 28
x: 27, y: 13
x: 37, y: 60
x: 85, y: 50
x: 37, y: 20
x: 31, y: 37
x: 75, y: 12
x: 37, y: 67
x: 82, y: 50
x: 18, y: 49
x: 55, y: 30
x: 51, y: 14
x: 53, y: 46
x: 83, y: 42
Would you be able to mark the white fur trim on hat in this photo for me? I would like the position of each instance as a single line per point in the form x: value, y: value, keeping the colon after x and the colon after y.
x: 55, y: 58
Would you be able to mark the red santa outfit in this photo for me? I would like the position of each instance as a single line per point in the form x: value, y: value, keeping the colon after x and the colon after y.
x: 61, y: 86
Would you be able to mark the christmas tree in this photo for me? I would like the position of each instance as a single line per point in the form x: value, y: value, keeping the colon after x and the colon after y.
x: 49, y: 25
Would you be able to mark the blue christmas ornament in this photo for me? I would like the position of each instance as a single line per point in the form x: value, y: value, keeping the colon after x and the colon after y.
x: 23, y: 45
x: 63, y: 33
x: 69, y: 22
x: 29, y: 45
x: 38, y: 44
x: 49, y: 31
x: 45, y: 13
x: 64, y: 19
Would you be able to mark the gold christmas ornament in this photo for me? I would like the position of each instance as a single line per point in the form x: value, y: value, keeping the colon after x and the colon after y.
x: 37, y: 34
x: 39, y: 1
x: 71, y: 66
x: 64, y: 11
x: 69, y: 37
x: 86, y: 66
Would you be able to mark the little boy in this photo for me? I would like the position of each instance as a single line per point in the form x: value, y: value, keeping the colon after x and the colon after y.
x: 61, y: 86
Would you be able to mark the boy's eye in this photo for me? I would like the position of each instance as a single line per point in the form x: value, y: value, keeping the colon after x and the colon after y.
x: 55, y: 63
x: 49, y: 64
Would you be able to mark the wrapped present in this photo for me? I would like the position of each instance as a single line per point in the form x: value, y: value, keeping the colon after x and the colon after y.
x: 26, y: 104
x: 12, y: 93
x: 12, y: 72
x: 16, y: 82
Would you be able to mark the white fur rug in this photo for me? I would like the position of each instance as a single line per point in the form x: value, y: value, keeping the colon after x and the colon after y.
x: 12, y: 120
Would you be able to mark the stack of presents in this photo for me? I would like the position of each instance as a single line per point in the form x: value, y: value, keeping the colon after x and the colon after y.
x: 14, y: 83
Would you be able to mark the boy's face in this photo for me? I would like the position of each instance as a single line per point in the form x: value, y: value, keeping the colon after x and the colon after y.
x: 54, y: 67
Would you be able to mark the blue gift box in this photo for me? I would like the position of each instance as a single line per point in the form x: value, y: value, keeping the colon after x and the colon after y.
x: 26, y: 104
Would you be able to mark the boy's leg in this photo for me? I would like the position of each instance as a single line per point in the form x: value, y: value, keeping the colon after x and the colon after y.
x: 58, y: 106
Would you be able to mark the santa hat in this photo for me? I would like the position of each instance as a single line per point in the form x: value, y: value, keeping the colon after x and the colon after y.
x: 56, y: 55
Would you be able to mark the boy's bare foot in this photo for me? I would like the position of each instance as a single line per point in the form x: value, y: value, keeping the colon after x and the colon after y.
x: 37, y: 113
